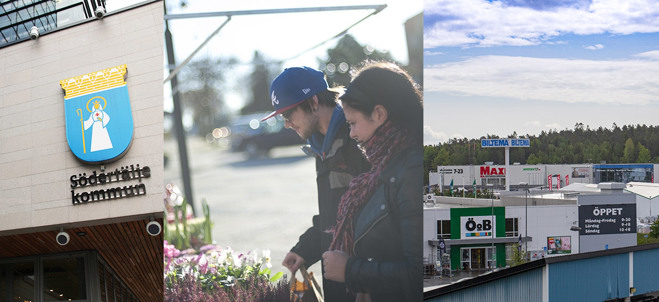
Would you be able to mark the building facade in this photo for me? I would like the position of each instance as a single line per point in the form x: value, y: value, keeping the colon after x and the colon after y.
x: 548, y: 176
x: 487, y: 235
x: 81, y: 163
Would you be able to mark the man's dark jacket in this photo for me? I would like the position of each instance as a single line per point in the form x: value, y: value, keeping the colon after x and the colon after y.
x: 338, y: 160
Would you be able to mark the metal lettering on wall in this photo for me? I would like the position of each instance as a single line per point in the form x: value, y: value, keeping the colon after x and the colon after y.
x: 117, y: 175
x: 607, y: 219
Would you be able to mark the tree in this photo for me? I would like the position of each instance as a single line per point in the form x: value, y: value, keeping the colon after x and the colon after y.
x: 628, y: 154
x: 443, y: 158
x: 200, y: 88
x: 345, y: 55
x: 259, y: 83
x: 643, y: 154
x: 654, y: 229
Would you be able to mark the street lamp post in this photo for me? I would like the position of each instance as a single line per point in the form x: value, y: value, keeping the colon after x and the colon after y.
x: 578, y: 230
x: 526, y: 215
x: 491, y: 186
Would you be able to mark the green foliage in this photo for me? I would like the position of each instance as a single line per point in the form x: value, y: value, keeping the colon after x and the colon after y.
x: 627, y: 144
x: 644, y: 155
x: 518, y: 257
x: 641, y: 239
x: 187, y: 233
x: 200, y: 86
x: 348, y: 51
x: 218, y: 272
x: 259, y: 80
x: 654, y: 229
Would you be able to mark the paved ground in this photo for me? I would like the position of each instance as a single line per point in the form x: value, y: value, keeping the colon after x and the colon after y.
x: 431, y: 282
x: 255, y: 204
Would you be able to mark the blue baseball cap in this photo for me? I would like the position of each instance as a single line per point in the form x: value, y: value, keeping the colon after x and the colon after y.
x: 293, y: 86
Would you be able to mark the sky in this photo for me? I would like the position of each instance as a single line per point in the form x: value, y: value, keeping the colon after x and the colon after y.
x: 283, y: 36
x: 500, y: 67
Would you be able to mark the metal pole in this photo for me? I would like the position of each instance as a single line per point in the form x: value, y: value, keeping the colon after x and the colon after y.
x: 526, y: 220
x: 377, y: 8
x: 178, y: 121
x: 493, y: 228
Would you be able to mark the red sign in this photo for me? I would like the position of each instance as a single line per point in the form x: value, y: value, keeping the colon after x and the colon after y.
x: 491, y: 171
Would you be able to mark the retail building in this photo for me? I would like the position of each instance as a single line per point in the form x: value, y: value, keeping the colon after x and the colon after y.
x: 483, y: 234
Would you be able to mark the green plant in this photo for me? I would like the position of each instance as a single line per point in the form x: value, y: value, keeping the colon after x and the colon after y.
x: 185, y: 232
x: 518, y: 257
x: 216, y: 271
x: 654, y: 229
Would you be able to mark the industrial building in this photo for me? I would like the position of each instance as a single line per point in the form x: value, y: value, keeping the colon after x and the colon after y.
x: 622, y: 274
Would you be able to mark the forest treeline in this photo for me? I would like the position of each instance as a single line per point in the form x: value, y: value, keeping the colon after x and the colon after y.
x: 626, y: 144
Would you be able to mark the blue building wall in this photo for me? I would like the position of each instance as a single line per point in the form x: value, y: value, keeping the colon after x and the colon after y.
x: 523, y: 287
x: 604, y: 276
x: 594, y: 279
x: 646, y: 268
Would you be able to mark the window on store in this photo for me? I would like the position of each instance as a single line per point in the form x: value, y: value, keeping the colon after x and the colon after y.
x: 64, y: 279
x: 512, y: 227
x: 623, y: 173
x: 444, y: 229
x: 111, y: 287
x: 17, y: 281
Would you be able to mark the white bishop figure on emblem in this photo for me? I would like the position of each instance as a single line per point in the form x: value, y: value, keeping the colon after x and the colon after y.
x: 98, y: 120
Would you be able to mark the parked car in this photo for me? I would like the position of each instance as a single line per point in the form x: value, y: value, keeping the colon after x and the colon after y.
x: 257, y: 138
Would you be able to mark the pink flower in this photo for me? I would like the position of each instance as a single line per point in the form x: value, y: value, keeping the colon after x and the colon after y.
x: 170, y: 250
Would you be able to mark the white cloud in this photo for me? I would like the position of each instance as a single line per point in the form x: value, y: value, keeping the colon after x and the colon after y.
x: 432, y: 137
x: 553, y: 126
x: 532, y: 124
x: 654, y: 55
x: 594, y: 47
x: 549, y: 79
x: 432, y: 53
x: 485, y: 23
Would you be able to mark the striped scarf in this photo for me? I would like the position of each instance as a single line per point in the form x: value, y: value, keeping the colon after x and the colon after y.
x: 387, y: 142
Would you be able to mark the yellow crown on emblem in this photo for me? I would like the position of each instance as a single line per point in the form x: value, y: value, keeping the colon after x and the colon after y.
x: 93, y: 82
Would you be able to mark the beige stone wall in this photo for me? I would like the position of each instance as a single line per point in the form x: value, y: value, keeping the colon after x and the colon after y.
x: 35, y: 160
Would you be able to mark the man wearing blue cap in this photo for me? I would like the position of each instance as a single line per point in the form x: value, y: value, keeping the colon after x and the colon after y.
x: 301, y: 95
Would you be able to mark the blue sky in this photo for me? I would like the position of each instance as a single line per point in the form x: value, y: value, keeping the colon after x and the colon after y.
x: 498, y: 67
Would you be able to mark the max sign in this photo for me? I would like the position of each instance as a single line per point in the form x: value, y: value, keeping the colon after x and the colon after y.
x: 99, y: 120
x: 474, y: 227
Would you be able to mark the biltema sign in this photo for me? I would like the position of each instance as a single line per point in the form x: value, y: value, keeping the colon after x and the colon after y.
x: 475, y: 227
x: 99, y: 120
x: 505, y: 142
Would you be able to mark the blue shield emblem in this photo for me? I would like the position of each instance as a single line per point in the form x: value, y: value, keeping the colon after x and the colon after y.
x: 99, y: 120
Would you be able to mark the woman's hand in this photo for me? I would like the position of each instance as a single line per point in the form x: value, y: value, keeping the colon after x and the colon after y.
x: 334, y: 263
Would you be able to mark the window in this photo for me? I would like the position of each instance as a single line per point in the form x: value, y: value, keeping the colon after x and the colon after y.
x: 512, y: 227
x: 18, y: 16
x: 17, y: 281
x: 623, y: 173
x: 111, y: 287
x: 64, y: 279
x: 444, y: 229
x: 79, y: 277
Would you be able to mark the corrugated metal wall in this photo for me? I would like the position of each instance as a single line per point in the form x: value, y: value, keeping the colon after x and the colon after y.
x: 594, y: 279
x: 523, y: 287
x: 646, y: 266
